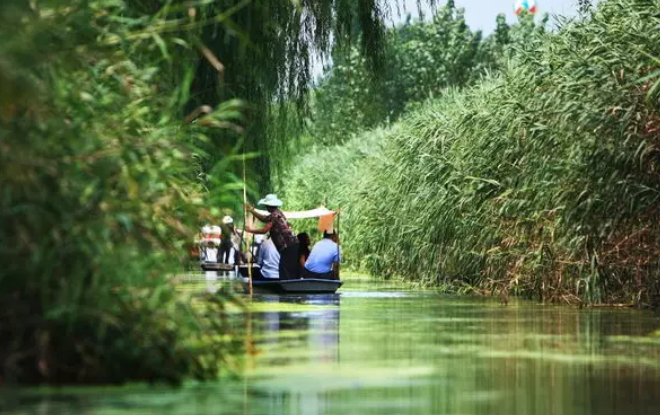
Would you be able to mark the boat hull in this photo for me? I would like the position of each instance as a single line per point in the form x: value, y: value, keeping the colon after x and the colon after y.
x: 295, y: 286
x: 216, y: 266
x: 301, y: 286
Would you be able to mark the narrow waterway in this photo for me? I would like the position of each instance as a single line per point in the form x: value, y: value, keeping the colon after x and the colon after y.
x: 378, y: 348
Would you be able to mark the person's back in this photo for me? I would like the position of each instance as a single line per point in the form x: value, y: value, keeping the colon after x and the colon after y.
x: 324, y: 254
x: 210, y: 253
x: 303, y: 248
x: 269, y: 260
x: 226, y: 234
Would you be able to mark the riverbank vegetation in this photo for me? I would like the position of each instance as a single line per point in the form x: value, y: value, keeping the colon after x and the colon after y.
x: 100, y: 193
x: 538, y: 178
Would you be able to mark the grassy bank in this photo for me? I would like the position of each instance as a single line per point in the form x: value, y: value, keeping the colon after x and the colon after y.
x: 542, y: 180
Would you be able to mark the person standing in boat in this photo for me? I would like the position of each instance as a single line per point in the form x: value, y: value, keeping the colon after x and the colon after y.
x: 280, y: 233
x: 226, y: 243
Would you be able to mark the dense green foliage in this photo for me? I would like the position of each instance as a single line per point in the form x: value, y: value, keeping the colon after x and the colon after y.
x: 540, y: 180
x: 266, y: 50
x: 423, y: 58
x: 118, y: 128
x: 100, y: 192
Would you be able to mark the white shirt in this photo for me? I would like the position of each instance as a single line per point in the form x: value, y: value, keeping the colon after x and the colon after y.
x: 211, y: 254
x: 269, y: 260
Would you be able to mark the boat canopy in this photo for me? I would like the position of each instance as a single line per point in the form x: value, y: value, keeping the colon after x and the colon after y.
x: 304, y: 214
x: 325, y: 215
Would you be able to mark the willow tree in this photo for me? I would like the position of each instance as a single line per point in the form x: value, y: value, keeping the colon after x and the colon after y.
x: 264, y: 53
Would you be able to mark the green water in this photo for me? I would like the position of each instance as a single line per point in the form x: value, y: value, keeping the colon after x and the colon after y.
x: 384, y: 349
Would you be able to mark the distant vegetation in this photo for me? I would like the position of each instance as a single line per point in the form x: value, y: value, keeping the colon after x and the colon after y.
x: 422, y: 60
x: 539, y: 178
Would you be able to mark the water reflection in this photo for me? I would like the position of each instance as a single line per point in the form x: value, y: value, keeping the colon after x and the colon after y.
x: 307, y: 332
x: 420, y: 353
x: 303, y: 331
x: 378, y: 350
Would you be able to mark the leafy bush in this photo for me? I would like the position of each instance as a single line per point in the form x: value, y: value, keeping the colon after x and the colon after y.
x: 100, y: 193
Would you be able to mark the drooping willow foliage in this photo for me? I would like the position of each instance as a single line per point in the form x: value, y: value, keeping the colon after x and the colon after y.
x: 267, y: 49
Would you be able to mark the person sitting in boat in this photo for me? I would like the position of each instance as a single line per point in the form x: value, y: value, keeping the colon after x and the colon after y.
x: 303, y: 248
x: 256, y: 245
x: 281, y: 234
x: 210, y: 253
x: 226, y: 243
x: 324, y: 259
x: 269, y: 260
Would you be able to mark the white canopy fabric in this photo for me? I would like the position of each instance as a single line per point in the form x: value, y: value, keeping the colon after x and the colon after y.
x: 303, y: 214
x: 325, y: 215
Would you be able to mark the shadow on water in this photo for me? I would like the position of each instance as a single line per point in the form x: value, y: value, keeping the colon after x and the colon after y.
x: 385, y: 349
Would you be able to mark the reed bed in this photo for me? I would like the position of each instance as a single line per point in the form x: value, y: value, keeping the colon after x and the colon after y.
x: 541, y: 180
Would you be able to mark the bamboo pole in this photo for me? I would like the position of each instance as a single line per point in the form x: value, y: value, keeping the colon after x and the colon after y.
x: 249, y: 248
x: 249, y: 364
x: 338, y: 243
x: 249, y: 347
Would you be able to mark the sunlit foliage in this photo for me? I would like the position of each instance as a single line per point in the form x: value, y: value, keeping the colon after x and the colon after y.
x: 423, y: 59
x: 100, y: 192
x: 541, y: 180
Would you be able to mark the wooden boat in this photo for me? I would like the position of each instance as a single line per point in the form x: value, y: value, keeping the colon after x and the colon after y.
x: 216, y: 266
x: 327, y: 218
x: 297, y: 286
x: 208, y: 243
x: 300, y: 286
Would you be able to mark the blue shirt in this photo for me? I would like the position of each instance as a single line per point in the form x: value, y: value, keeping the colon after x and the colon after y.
x: 324, y: 253
x: 269, y: 260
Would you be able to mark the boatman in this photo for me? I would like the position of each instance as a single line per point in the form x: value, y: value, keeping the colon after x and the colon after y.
x: 281, y: 234
x: 324, y: 259
x: 226, y: 242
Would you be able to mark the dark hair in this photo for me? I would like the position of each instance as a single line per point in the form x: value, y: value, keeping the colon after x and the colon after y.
x: 327, y: 234
x: 303, y: 239
x: 303, y: 245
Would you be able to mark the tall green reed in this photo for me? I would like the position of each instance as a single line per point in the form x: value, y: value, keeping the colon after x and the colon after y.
x: 542, y: 180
